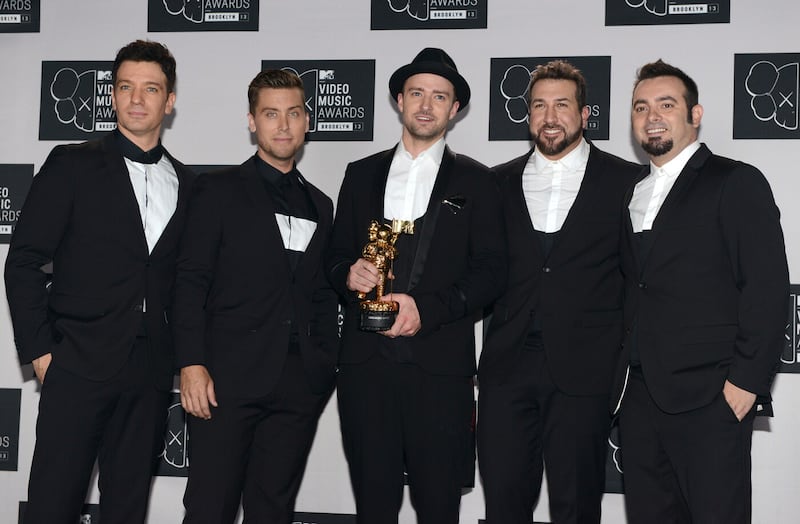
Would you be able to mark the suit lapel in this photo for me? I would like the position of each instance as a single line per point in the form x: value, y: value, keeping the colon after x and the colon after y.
x: 123, y: 193
x: 519, y: 207
x: 375, y: 198
x: 676, y: 196
x: 628, y: 225
x: 263, y: 208
x: 589, y: 185
x: 431, y: 216
x: 172, y: 230
x: 682, y: 184
x: 316, y: 243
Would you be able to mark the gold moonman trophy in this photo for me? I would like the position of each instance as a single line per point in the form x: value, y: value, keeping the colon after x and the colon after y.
x: 377, y: 315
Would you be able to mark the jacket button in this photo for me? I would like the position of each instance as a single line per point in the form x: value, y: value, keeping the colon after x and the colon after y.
x: 642, y: 285
x: 545, y: 269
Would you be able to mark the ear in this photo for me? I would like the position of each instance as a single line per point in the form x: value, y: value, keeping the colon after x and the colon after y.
x: 251, y: 123
x: 400, y: 101
x: 697, y: 115
x: 584, y: 116
x: 170, y: 103
x: 454, y: 109
x: 308, y: 121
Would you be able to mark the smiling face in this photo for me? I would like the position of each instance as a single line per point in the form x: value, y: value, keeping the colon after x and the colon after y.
x: 141, y: 100
x: 661, y: 120
x: 280, y: 123
x: 427, y: 105
x: 556, y: 118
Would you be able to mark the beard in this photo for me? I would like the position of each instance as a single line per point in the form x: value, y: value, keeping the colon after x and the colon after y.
x: 657, y: 147
x: 551, y: 147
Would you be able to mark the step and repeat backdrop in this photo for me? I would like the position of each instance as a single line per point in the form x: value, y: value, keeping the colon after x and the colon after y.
x: 55, y: 65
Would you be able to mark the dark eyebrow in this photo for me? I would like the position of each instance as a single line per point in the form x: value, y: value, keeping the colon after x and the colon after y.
x: 658, y: 99
x: 666, y: 97
x: 560, y: 99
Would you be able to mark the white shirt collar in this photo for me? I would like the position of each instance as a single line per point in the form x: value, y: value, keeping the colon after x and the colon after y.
x: 434, y: 153
x: 573, y: 161
x: 674, y: 167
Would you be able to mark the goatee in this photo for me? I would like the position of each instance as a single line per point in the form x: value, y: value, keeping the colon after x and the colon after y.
x: 657, y: 147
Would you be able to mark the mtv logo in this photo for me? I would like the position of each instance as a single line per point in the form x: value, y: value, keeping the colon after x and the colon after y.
x: 104, y: 75
x: 327, y: 74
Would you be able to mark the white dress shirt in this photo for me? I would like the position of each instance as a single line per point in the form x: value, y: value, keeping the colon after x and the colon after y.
x: 651, y: 192
x: 410, y: 182
x: 551, y: 186
x: 156, y: 190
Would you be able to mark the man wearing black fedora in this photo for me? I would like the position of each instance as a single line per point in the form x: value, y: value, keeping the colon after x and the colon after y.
x: 406, y: 394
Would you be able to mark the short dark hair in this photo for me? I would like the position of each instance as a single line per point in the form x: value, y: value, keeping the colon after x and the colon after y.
x: 273, y: 79
x: 661, y: 68
x: 560, y: 70
x: 147, y: 51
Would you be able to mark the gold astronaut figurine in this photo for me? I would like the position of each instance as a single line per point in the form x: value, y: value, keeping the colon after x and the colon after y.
x: 377, y: 315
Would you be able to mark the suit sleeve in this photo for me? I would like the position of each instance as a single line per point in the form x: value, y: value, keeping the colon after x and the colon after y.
x: 42, y: 224
x: 754, y: 239
x: 324, y: 303
x: 197, y: 256
x: 487, y: 264
x: 344, y: 249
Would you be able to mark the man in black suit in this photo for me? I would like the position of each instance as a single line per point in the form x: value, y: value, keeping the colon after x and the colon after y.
x: 706, y: 302
x: 552, y: 343
x: 255, y: 320
x: 108, y: 214
x: 406, y: 394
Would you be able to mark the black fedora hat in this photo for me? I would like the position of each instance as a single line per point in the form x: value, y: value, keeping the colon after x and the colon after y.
x: 436, y: 61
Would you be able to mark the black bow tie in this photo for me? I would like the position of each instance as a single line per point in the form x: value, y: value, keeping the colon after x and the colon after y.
x: 133, y: 152
x: 146, y: 157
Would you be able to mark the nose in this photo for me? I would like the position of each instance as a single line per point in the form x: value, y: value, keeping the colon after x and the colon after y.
x: 136, y: 95
x: 427, y: 101
x: 550, y: 114
x: 283, y: 122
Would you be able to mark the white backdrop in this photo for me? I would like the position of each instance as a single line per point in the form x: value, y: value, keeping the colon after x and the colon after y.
x: 210, y: 127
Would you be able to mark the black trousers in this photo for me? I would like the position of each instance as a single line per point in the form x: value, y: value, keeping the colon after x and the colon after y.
x: 118, y: 422
x: 691, y: 467
x: 395, y: 416
x: 528, y: 426
x: 253, y: 451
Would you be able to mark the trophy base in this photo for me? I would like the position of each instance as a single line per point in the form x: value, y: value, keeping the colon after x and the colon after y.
x: 378, y: 316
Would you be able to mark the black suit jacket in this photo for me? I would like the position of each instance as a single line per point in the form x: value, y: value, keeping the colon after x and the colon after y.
x: 709, y: 301
x: 235, y: 291
x: 576, y: 291
x: 459, y: 266
x: 81, y: 214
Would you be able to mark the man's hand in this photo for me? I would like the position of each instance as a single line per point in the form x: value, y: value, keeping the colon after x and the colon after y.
x: 40, y: 366
x: 197, y: 391
x: 741, y: 401
x: 363, y: 276
x: 408, y: 322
